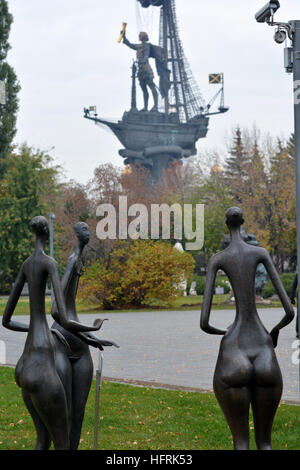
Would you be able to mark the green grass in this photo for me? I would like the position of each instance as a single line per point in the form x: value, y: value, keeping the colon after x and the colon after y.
x: 181, y: 304
x: 143, y: 418
x: 22, y: 307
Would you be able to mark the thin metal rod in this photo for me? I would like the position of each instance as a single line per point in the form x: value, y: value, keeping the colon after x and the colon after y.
x: 51, y: 237
x: 97, y: 399
x: 165, y: 46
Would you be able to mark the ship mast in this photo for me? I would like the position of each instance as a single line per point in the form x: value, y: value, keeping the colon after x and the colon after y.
x: 184, y: 97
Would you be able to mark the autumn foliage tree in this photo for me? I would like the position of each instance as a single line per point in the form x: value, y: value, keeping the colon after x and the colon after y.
x: 71, y: 206
x: 256, y: 174
x: 135, y: 274
x: 266, y: 191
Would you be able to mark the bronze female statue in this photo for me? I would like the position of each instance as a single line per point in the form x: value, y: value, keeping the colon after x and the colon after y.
x: 73, y: 358
x: 247, y: 372
x: 35, y: 373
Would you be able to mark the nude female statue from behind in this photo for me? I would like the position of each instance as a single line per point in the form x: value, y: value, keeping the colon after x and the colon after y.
x: 35, y: 373
x: 247, y: 372
x: 73, y: 359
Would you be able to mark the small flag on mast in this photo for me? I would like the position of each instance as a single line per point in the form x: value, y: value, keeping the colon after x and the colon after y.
x: 215, y: 78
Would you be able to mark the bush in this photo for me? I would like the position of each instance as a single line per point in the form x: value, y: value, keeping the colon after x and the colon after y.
x: 287, y: 280
x: 136, y: 274
x: 200, y: 284
x: 221, y: 281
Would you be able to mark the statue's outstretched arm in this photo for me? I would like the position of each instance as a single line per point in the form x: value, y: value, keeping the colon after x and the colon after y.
x: 61, y: 314
x: 96, y: 342
x: 11, y: 305
x: 207, y: 299
x: 289, y: 311
x: 128, y: 43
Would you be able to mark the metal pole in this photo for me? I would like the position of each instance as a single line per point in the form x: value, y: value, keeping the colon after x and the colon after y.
x: 97, y: 399
x: 52, y: 218
x: 296, y: 61
x: 133, y: 91
x: 165, y: 46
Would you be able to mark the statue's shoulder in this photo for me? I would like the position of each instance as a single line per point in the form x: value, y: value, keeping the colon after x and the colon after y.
x: 216, y: 259
x: 49, y: 262
x: 262, y: 251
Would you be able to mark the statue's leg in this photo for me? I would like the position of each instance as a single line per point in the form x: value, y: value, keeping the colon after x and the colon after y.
x: 265, y: 402
x: 266, y: 395
x: 81, y: 384
x: 64, y: 370
x: 235, y: 403
x: 43, y: 437
x: 232, y: 387
x: 50, y: 403
x: 145, y: 94
x: 155, y: 95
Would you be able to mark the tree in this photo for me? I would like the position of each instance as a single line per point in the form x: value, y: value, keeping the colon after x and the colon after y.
x: 236, y: 162
x: 29, y: 178
x: 215, y: 193
x: 268, y: 196
x: 8, y: 112
x: 254, y: 195
x: 282, y: 189
x: 73, y: 205
x: 136, y: 273
x: 105, y: 187
x: 290, y: 146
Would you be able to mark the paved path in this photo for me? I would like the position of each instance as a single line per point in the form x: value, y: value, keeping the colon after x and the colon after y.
x: 169, y: 347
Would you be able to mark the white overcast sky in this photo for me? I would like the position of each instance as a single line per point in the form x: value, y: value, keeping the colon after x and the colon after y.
x: 66, y: 56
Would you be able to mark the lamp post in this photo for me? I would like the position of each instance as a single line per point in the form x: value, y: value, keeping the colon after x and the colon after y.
x: 284, y: 32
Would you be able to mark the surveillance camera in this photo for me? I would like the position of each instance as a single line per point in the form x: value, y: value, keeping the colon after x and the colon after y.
x: 280, y: 36
x: 265, y: 13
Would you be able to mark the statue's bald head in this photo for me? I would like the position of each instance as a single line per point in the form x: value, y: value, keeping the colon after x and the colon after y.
x: 81, y: 230
x: 234, y: 217
x: 143, y: 36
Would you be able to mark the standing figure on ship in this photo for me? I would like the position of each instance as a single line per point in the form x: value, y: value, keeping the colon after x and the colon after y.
x: 145, y: 72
